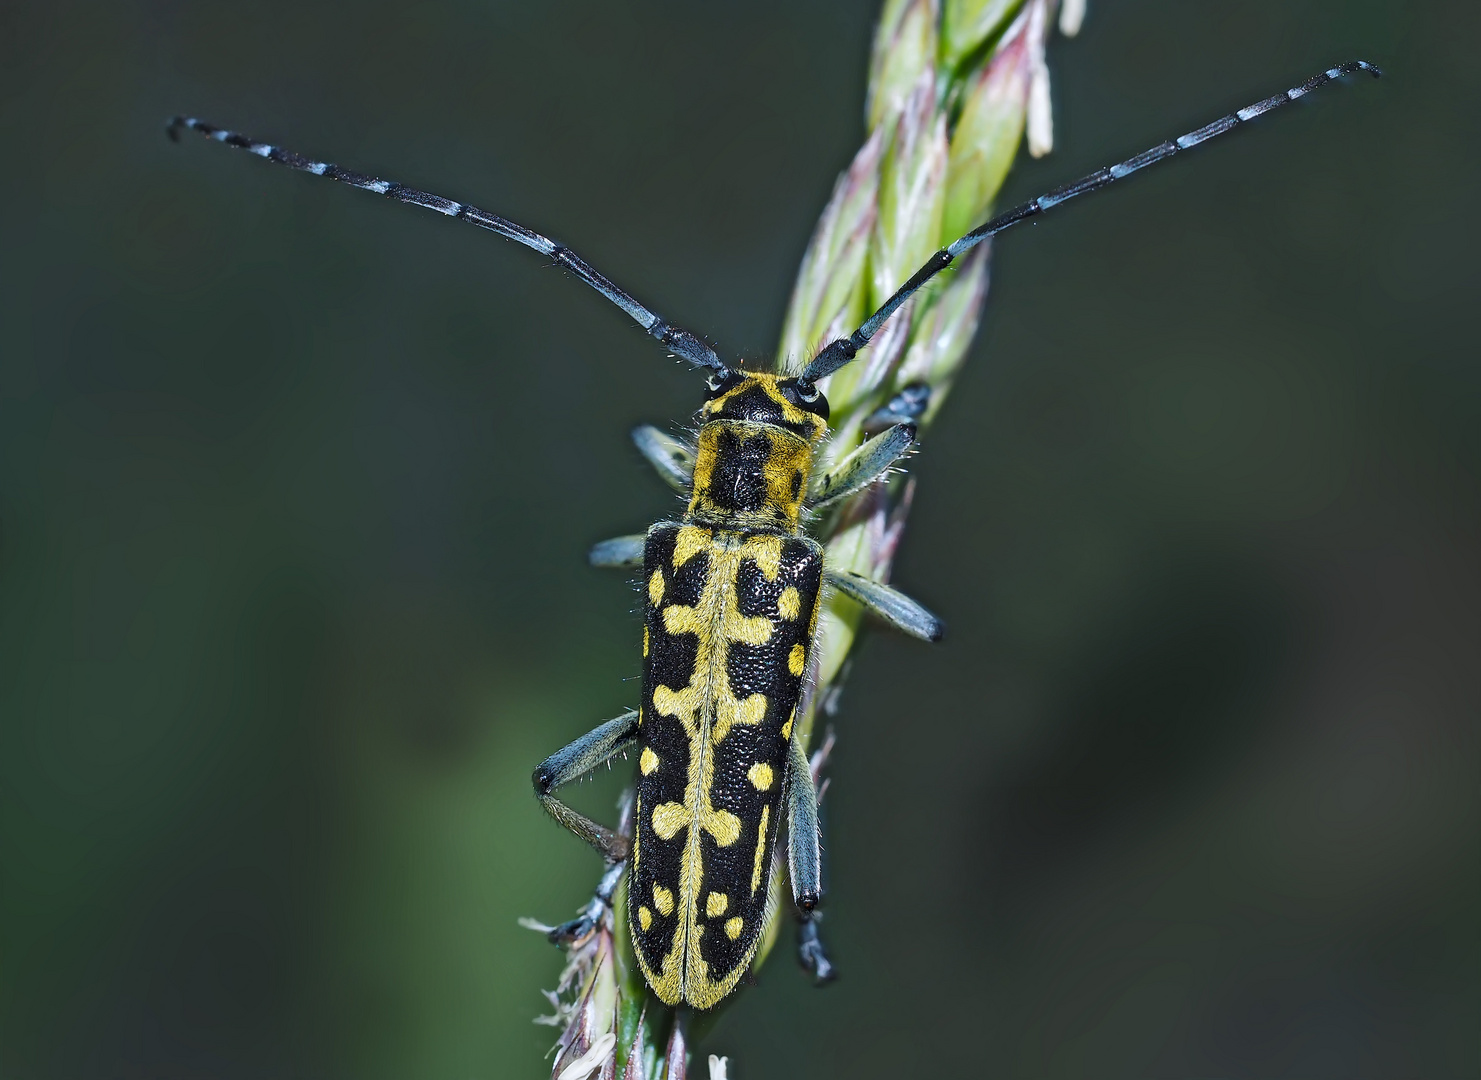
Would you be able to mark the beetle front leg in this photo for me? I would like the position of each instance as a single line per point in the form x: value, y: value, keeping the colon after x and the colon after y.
x: 619, y: 553
x: 671, y: 459
x: 862, y: 467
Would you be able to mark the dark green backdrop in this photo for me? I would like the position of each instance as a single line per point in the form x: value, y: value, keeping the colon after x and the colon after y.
x: 295, y: 486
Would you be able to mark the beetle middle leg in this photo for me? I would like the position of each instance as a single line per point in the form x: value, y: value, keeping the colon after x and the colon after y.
x: 890, y: 605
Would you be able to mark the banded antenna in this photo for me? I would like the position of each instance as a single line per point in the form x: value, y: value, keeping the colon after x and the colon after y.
x: 680, y: 342
x: 840, y: 352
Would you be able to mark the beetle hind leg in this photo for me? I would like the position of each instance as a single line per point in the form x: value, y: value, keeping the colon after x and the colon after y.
x: 805, y: 862
x: 575, y: 761
x: 810, y: 952
x: 571, y: 763
x: 585, y: 924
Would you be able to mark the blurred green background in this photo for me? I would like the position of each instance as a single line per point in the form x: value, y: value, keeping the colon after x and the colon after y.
x: 296, y: 485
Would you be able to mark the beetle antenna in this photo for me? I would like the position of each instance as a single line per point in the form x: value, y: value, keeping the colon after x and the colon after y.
x: 843, y: 350
x: 680, y: 342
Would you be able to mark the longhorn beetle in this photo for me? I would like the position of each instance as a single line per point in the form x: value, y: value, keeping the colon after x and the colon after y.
x: 733, y: 590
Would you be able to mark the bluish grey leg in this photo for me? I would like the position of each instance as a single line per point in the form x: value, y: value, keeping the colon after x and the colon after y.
x: 805, y: 863
x: 804, y: 857
x: 861, y: 467
x: 893, y: 607
x: 574, y: 762
x: 591, y: 915
x: 620, y: 552
x: 673, y: 460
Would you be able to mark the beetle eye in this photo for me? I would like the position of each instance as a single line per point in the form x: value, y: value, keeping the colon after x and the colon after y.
x: 715, y: 382
x: 807, y: 391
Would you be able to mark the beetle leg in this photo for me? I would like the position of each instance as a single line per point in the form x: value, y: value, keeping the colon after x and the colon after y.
x: 673, y: 460
x: 862, y: 467
x: 804, y: 855
x: 810, y: 952
x: 892, y: 606
x: 805, y: 862
x: 574, y: 762
x: 591, y: 915
x: 620, y: 552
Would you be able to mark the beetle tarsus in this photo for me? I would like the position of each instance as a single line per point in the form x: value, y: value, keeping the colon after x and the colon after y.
x: 573, y: 932
x: 811, y: 954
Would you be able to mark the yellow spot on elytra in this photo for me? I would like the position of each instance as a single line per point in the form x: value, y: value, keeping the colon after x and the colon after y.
x: 723, y: 826
x: 663, y: 900
x: 729, y: 712
x: 716, y: 903
x: 797, y: 659
x: 648, y: 762
x: 760, y: 849
x: 669, y: 818
x: 689, y: 543
x: 708, y: 709
x: 767, y: 551
x: 645, y: 918
x: 761, y: 776
x: 733, y: 927
x: 787, y: 727
x: 655, y: 587
x: 645, y: 641
x: 789, y: 603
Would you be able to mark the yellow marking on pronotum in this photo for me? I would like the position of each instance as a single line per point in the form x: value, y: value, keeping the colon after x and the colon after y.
x: 645, y: 918
x: 789, y: 604
x: 655, y: 587
x: 733, y: 927
x: 716, y: 903
x: 789, y: 457
x: 760, y: 776
x: 797, y: 659
x: 648, y: 762
x: 760, y: 849
x: 663, y: 900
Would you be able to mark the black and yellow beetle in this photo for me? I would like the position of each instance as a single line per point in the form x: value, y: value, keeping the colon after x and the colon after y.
x: 733, y: 591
